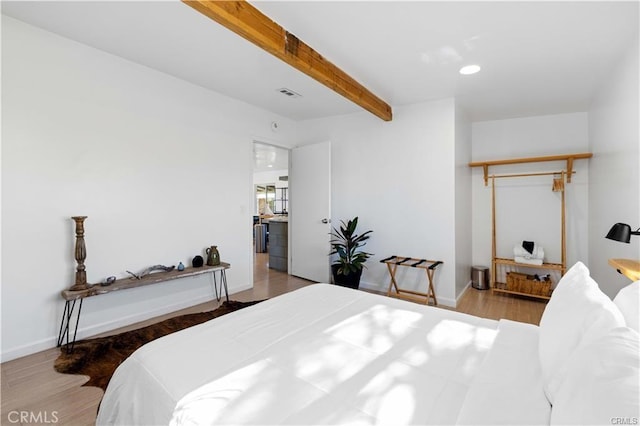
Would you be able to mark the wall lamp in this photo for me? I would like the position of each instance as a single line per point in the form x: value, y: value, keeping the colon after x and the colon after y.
x: 621, y: 232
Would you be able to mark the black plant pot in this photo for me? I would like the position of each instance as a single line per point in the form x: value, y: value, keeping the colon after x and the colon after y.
x: 352, y: 280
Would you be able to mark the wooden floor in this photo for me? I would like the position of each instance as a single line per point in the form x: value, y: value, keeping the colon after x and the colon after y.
x: 30, y: 386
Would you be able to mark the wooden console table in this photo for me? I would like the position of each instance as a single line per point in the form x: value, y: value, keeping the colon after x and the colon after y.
x: 72, y: 296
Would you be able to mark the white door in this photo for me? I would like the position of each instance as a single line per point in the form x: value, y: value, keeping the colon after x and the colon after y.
x: 310, y: 211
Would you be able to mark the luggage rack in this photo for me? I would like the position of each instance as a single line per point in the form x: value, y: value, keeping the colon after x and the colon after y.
x: 428, y: 265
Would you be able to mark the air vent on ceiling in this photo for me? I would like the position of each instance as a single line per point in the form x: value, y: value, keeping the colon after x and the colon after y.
x: 283, y: 178
x: 289, y: 93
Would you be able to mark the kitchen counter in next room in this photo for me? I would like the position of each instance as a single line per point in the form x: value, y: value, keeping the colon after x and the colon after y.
x: 278, y: 243
x: 269, y: 219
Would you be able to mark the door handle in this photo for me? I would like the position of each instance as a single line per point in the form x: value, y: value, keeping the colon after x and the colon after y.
x: 326, y: 221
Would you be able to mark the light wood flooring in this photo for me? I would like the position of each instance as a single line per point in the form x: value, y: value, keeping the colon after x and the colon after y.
x: 30, y: 384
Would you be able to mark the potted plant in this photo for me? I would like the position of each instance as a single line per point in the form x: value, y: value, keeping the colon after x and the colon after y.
x: 347, y: 269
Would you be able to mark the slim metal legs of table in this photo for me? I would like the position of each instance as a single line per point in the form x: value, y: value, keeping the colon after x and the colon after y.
x: 223, y: 282
x: 65, y: 324
x: 70, y: 303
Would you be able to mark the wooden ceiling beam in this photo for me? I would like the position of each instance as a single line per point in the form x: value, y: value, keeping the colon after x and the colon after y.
x: 248, y: 22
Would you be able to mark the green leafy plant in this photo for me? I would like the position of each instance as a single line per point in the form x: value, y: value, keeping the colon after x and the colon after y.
x: 346, y: 244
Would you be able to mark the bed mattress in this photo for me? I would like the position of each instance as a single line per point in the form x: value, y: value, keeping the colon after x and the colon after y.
x: 331, y: 355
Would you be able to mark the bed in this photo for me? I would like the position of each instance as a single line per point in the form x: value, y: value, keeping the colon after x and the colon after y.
x: 325, y: 354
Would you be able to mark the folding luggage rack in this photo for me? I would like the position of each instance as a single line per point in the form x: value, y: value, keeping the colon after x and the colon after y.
x: 428, y: 265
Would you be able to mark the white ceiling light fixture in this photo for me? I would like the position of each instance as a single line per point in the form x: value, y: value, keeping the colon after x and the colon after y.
x: 469, y: 69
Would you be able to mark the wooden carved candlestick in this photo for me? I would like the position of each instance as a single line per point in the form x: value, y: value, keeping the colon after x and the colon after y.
x: 81, y: 255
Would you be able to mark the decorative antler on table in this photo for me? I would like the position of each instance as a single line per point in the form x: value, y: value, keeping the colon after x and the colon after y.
x: 150, y: 269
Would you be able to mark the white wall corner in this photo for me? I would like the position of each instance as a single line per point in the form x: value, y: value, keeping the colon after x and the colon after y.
x: 463, y: 206
x: 464, y: 290
x: 614, y: 190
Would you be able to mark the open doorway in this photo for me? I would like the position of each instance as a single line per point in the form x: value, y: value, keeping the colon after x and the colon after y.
x: 270, y: 209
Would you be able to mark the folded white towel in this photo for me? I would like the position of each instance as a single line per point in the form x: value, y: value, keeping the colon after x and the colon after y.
x: 520, y: 259
x: 538, y: 252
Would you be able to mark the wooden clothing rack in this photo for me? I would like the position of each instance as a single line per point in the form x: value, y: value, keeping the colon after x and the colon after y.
x: 428, y: 265
x: 559, y: 179
x: 558, y: 186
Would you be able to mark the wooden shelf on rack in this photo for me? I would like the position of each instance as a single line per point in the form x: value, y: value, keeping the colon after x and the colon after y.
x: 552, y: 266
x: 501, y: 288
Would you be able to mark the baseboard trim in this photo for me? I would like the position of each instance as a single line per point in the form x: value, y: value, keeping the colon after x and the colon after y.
x: 372, y: 287
x: 103, y: 327
x: 464, y: 290
x: 92, y: 330
x: 446, y: 301
x: 28, y: 349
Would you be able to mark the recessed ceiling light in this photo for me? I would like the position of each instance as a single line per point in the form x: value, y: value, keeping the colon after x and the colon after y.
x: 269, y: 165
x: 469, y: 69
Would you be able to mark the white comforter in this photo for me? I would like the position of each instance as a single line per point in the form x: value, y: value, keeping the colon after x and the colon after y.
x: 330, y: 355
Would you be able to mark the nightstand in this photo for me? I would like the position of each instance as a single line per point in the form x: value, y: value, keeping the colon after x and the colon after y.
x: 627, y: 267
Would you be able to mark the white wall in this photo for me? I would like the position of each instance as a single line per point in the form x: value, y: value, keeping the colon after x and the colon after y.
x: 463, y: 200
x: 614, y: 189
x: 272, y: 178
x: 526, y: 208
x: 398, y: 178
x: 162, y: 169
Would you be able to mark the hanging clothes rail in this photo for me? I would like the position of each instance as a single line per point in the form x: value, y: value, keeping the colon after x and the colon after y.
x: 569, y: 158
x: 529, y: 174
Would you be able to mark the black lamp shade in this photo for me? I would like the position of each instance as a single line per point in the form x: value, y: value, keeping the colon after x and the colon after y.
x: 620, y: 232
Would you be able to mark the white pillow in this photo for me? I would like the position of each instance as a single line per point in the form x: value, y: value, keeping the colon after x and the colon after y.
x: 628, y: 301
x: 601, y: 384
x: 578, y: 312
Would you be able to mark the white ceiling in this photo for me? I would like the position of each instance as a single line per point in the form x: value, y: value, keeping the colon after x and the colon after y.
x: 536, y: 57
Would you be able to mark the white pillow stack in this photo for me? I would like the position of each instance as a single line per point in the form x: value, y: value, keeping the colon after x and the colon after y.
x: 601, y: 382
x: 628, y: 301
x: 590, y: 360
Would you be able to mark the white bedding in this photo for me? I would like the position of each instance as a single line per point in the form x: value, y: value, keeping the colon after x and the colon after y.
x: 508, y: 389
x: 330, y: 355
